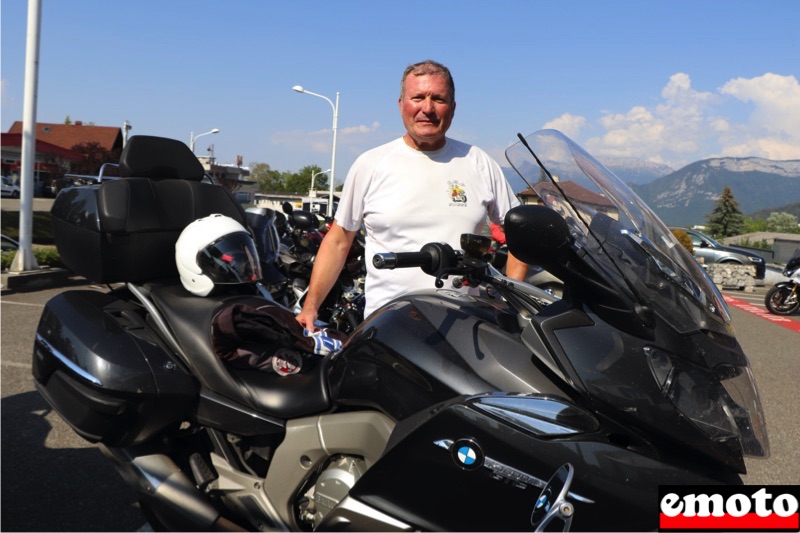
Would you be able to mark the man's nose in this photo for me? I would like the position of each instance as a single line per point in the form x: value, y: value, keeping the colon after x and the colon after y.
x: 428, y: 107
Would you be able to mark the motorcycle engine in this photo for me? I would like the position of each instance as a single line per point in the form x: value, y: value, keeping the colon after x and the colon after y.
x: 331, y: 486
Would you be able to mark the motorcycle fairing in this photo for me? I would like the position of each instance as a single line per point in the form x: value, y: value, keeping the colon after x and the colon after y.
x: 621, y: 483
x: 652, y: 293
x: 429, y: 346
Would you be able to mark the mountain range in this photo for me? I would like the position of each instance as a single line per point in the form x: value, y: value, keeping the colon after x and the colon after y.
x: 684, y: 197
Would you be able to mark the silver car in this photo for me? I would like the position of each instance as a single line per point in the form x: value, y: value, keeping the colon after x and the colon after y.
x: 10, y: 189
x: 713, y: 252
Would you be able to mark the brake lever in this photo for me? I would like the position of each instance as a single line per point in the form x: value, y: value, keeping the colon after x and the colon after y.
x: 444, y: 273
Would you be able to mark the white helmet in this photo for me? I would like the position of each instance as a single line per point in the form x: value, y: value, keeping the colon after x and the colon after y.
x: 215, y: 250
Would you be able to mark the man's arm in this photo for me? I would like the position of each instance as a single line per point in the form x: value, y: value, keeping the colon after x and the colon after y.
x: 515, y: 268
x: 327, y: 267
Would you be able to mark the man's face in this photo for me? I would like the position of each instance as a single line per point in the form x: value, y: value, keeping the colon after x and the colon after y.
x: 427, y: 109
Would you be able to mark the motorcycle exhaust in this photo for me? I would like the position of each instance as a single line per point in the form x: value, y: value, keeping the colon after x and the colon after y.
x: 158, y: 481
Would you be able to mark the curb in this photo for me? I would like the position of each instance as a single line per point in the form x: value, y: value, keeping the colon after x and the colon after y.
x: 35, y: 280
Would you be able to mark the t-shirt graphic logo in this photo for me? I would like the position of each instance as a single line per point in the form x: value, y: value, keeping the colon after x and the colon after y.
x: 458, y: 196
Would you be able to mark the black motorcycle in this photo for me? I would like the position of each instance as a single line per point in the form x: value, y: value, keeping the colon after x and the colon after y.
x: 445, y: 410
x: 784, y: 298
x: 299, y: 242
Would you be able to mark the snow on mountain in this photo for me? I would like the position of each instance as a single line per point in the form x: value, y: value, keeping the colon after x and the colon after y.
x: 789, y: 169
x: 636, y: 171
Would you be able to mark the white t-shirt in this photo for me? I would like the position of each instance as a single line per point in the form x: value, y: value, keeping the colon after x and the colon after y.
x: 406, y: 198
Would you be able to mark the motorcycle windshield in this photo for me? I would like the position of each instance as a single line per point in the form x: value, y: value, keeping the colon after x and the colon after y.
x: 626, y: 245
x: 625, y: 241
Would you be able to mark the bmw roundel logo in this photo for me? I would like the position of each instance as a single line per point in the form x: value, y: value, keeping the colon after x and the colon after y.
x: 467, y: 454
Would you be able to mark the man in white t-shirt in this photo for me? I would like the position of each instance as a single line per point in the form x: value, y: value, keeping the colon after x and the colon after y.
x: 423, y: 187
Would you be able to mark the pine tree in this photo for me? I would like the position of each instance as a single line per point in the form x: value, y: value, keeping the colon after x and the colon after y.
x: 726, y: 219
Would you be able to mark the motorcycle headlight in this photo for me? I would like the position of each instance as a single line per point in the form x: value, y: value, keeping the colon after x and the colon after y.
x: 722, y: 402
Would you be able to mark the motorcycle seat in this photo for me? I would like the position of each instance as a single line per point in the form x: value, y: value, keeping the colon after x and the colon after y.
x: 189, y: 317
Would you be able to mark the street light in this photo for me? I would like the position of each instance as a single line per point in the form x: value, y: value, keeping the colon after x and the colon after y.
x: 192, y: 138
x: 314, y: 175
x: 300, y: 89
x: 126, y: 127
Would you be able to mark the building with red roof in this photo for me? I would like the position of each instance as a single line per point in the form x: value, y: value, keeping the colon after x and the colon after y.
x: 54, y: 150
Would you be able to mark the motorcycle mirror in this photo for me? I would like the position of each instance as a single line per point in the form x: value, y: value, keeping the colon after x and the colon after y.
x: 475, y: 246
x: 552, y: 502
x: 287, y: 208
x: 536, y: 234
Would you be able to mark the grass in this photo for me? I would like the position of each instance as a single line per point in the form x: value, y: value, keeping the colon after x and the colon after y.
x: 42, y: 226
x: 44, y: 249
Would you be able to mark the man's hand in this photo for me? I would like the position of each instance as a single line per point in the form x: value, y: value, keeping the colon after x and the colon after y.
x: 307, y: 317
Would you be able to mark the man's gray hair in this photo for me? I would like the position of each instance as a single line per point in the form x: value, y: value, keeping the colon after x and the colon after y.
x: 427, y: 67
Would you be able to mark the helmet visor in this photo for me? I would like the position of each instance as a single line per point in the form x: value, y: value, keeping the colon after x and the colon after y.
x: 230, y: 259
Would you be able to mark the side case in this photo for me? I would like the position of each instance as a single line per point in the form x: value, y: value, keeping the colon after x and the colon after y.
x: 99, y: 365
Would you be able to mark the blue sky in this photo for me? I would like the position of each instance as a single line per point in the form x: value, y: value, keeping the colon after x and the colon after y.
x: 670, y: 82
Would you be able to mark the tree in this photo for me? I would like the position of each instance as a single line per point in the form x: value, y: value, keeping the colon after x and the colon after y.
x: 94, y: 156
x: 782, y: 222
x: 684, y: 239
x: 268, y: 180
x: 726, y: 219
x: 300, y: 182
x: 754, y: 225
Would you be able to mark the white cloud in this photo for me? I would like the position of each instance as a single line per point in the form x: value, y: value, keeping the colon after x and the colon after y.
x: 305, y: 146
x: 568, y: 124
x: 355, y: 130
x: 320, y: 140
x: 673, y: 131
x: 686, y: 125
x: 773, y: 128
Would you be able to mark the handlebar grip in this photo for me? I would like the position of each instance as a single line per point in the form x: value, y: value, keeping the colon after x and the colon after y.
x: 401, y: 260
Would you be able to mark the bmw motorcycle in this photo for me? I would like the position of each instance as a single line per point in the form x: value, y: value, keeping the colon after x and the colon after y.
x: 450, y: 408
x: 784, y: 297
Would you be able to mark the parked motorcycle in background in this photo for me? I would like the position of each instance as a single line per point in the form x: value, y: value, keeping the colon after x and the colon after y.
x: 297, y: 236
x: 784, y: 297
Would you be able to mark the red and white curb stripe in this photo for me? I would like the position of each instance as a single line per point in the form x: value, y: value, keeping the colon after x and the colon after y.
x: 788, y: 323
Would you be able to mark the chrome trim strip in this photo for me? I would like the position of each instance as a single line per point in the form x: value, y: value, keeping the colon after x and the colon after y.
x: 69, y: 363
x: 504, y: 472
x: 356, y: 515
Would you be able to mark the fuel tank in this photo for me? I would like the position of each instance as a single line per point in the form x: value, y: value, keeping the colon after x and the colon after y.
x: 433, y: 345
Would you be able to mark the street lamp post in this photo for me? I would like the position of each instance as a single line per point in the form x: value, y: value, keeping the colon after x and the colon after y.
x: 126, y: 127
x: 192, y: 138
x: 335, y: 108
x: 314, y: 175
